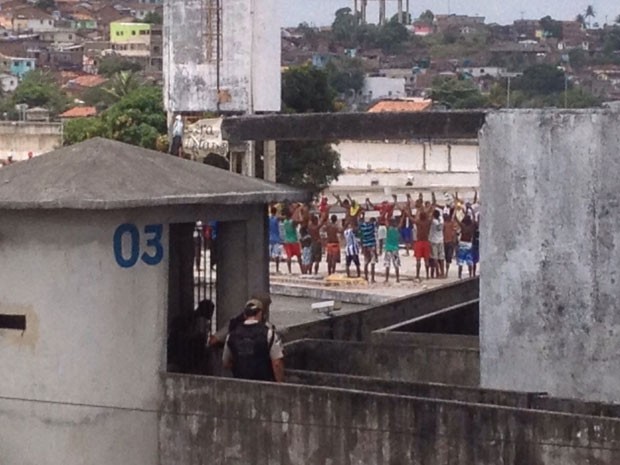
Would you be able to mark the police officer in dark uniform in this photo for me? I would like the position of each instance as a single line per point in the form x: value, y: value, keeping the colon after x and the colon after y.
x: 253, y: 350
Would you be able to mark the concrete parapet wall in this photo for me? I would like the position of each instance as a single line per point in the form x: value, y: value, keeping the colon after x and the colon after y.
x: 226, y: 421
x: 452, y: 341
x: 19, y: 138
x: 526, y: 400
x: 550, y: 242
x: 358, y: 326
x: 421, y: 363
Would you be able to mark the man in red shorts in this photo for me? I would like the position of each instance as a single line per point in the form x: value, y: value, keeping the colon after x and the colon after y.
x: 291, y: 244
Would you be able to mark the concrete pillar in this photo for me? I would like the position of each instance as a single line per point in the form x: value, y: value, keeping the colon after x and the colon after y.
x: 550, y: 248
x: 408, y: 14
x: 400, y: 11
x: 363, y: 12
x: 248, y: 164
x: 242, y: 263
x: 257, y: 246
x: 269, y: 160
x: 381, y: 12
x: 231, y: 288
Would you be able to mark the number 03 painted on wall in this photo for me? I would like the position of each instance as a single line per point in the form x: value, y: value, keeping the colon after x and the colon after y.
x: 153, y: 252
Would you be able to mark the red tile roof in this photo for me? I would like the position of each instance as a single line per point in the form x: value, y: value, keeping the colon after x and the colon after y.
x: 403, y: 105
x: 79, y: 112
x: 88, y: 80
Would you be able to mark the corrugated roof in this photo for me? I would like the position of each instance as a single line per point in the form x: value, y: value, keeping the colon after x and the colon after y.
x: 79, y: 112
x: 404, y: 105
x: 101, y: 174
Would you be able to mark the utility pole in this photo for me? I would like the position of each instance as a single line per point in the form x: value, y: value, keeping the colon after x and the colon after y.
x: 381, y: 12
x: 400, y: 11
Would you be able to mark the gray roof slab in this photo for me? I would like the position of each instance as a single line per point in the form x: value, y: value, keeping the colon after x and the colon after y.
x: 102, y: 174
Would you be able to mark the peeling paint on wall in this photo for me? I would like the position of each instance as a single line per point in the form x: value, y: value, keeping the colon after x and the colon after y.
x: 221, y: 55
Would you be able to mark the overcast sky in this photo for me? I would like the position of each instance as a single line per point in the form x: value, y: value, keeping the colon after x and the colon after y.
x: 321, y: 12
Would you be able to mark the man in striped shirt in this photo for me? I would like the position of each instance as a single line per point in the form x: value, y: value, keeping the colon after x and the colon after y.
x: 369, y: 246
x: 352, y: 249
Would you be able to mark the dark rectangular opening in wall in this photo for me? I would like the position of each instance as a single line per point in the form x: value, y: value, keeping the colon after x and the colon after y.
x: 17, y: 322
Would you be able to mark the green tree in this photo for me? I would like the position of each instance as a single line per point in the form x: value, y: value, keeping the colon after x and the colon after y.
x: 153, y: 17
x: 123, y: 83
x: 391, y: 36
x: 81, y: 129
x: 581, y: 20
x: 111, y: 65
x: 611, y: 40
x: 346, y: 74
x: 551, y: 27
x: 310, y: 165
x: 344, y: 27
x: 541, y: 79
x: 47, y: 5
x: 306, y: 89
x: 427, y: 17
x: 138, y: 118
x: 39, y: 89
x: 589, y: 13
x: 457, y: 94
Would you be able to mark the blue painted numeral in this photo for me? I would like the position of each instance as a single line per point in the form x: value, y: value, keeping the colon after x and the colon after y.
x: 154, y: 242
x: 155, y: 250
x: 134, y: 236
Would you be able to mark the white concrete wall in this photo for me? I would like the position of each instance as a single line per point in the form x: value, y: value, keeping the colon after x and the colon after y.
x: 250, y: 61
x: 549, y: 289
x: 377, y: 87
x: 95, y: 336
x: 431, y: 164
x: 17, y: 139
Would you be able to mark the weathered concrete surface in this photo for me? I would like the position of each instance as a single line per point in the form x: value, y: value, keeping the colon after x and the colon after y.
x: 358, y: 326
x: 83, y: 378
x: 527, y: 400
x: 550, y: 252
x: 225, y: 421
x: 19, y: 138
x: 198, y: 78
x: 438, y: 340
x: 462, y: 318
x: 421, y: 363
x: 355, y: 126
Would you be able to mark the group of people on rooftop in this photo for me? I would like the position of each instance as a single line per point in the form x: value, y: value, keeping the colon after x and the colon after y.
x: 436, y: 233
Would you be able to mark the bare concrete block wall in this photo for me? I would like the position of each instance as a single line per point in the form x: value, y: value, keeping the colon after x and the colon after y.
x: 550, y: 290
x: 358, y: 326
x: 226, y: 421
x: 421, y: 363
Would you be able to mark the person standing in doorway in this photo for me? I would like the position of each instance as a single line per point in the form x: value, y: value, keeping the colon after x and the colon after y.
x: 253, y: 350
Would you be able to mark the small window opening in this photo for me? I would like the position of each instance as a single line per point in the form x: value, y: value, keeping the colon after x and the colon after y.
x: 17, y: 322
